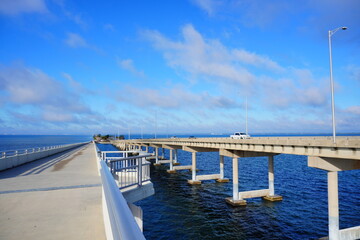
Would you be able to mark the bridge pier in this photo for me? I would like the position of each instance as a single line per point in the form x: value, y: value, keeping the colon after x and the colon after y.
x: 157, y: 157
x: 193, y: 170
x: 222, y: 178
x: 271, y: 196
x: 332, y: 166
x: 176, y: 158
x: 197, y: 179
x: 238, y: 198
x: 171, y: 170
x: 333, y: 205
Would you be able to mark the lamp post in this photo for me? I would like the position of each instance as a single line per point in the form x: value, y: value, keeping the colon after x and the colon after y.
x: 332, y: 32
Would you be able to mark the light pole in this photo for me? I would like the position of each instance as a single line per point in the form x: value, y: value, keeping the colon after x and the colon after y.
x: 332, y: 32
x: 246, y: 115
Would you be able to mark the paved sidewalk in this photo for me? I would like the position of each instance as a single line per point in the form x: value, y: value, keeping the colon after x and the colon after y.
x: 58, y: 197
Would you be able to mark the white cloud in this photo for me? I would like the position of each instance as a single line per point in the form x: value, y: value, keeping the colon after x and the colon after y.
x: 353, y: 110
x: 128, y: 64
x: 28, y: 87
x: 208, y: 6
x: 75, y: 40
x: 176, y: 97
x: 297, y: 87
x: 16, y: 7
x: 199, y: 56
x: 354, y: 72
x: 109, y: 27
x: 256, y: 60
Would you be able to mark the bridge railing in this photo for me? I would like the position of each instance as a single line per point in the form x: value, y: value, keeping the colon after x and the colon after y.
x: 122, y: 222
x: 129, y: 171
x: 11, y: 153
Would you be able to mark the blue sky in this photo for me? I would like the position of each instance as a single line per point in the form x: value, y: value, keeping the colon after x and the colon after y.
x: 187, y: 66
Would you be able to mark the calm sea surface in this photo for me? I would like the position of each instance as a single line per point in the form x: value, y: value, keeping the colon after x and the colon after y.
x: 16, y: 142
x: 181, y: 211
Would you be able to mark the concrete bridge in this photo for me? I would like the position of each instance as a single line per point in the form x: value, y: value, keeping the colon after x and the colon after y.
x: 321, y: 151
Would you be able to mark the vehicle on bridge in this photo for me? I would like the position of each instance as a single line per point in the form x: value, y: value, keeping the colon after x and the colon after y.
x: 239, y: 135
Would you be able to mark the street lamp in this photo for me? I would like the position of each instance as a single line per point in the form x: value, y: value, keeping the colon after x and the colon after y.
x: 332, y: 32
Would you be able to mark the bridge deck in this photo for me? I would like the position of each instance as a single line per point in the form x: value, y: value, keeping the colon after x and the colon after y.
x: 345, y: 147
x: 58, y: 197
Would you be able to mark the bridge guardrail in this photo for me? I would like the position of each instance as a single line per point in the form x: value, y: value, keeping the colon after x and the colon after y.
x: 131, y: 170
x: 14, y: 158
x: 11, y: 153
x: 122, y: 221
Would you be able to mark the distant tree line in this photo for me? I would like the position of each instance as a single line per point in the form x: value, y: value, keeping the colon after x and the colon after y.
x: 99, y: 137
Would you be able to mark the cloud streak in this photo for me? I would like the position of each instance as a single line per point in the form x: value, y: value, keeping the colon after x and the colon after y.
x: 31, y: 88
x: 176, y: 97
x: 17, y: 7
x: 128, y: 65
x: 208, y: 57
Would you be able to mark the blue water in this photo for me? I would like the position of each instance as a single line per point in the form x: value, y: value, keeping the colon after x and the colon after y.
x: 181, y: 211
x: 16, y: 142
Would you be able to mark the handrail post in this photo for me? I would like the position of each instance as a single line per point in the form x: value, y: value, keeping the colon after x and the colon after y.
x: 140, y: 171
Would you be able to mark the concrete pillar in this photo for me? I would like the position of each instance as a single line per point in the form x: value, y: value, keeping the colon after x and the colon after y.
x: 175, y: 156
x: 171, y: 162
x: 235, y: 165
x: 271, y: 176
x: 146, y: 149
x: 193, y: 169
x: 236, y: 199
x: 272, y: 197
x: 157, y: 156
x: 222, y: 179
x: 193, y: 166
x: 163, y: 153
x: 221, y: 166
x: 333, y: 206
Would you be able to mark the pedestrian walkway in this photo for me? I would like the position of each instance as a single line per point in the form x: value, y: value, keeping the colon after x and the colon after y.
x: 58, y: 197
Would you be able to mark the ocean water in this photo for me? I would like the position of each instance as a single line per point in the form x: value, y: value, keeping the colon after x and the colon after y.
x: 182, y: 211
x: 17, y: 142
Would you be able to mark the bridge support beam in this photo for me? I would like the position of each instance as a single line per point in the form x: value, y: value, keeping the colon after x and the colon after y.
x: 176, y: 157
x: 333, y: 205
x: 171, y: 170
x: 222, y: 179
x: 236, y: 199
x: 332, y: 166
x: 193, y: 170
x: 157, y: 157
x: 271, y: 196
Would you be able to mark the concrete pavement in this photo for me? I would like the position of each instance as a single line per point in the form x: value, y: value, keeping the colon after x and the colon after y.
x: 58, y: 197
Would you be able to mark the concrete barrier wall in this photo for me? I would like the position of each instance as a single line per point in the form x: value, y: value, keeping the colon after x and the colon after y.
x: 14, y: 161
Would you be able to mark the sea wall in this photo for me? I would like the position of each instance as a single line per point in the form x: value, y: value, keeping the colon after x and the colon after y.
x: 19, y: 159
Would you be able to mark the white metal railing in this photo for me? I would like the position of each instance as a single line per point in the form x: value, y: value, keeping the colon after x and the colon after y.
x: 11, y: 153
x: 129, y: 171
x: 122, y: 221
x: 123, y: 224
